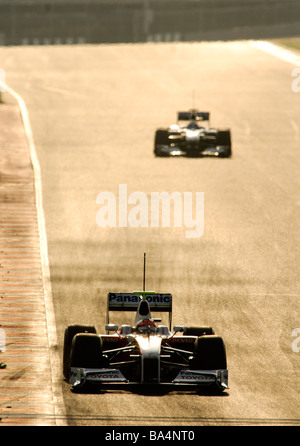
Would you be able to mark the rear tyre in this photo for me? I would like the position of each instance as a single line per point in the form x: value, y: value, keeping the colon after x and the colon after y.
x: 70, y: 332
x: 209, y: 354
x: 198, y: 331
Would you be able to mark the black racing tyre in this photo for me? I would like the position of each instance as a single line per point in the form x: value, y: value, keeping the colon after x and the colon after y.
x: 224, y: 139
x: 198, y: 331
x: 209, y: 354
x: 70, y: 332
x: 161, y: 138
x: 86, y: 351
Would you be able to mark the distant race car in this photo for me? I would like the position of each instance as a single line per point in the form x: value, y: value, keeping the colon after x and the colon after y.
x: 188, y: 137
x: 146, y: 352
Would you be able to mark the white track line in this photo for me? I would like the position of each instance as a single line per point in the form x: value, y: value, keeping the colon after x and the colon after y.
x: 50, y: 315
x: 277, y: 51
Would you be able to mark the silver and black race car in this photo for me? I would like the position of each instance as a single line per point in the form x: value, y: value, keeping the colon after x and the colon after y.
x: 146, y: 352
x: 188, y: 137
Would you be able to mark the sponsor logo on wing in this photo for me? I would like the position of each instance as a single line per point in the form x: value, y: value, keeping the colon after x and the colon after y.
x: 107, y: 375
x: 190, y: 376
x: 133, y: 298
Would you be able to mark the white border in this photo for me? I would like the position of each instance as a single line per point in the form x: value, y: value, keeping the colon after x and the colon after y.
x: 277, y: 51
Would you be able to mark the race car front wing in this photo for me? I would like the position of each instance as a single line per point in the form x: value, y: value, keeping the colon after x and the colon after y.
x: 177, y: 150
x: 82, y: 376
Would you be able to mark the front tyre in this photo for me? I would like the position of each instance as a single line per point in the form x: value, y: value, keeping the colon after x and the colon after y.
x: 161, y: 139
x: 224, y: 140
x: 70, y: 332
x: 86, y: 351
x: 209, y: 354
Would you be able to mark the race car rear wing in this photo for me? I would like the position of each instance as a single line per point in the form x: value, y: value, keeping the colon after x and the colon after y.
x: 193, y: 116
x: 158, y: 302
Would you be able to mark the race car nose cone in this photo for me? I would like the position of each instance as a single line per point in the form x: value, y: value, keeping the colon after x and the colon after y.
x: 193, y: 136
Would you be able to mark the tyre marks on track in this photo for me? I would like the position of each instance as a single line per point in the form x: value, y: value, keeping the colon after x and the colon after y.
x: 26, y: 393
x: 180, y: 421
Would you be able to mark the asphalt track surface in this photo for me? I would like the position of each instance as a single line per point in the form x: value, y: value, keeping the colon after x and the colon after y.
x: 94, y: 110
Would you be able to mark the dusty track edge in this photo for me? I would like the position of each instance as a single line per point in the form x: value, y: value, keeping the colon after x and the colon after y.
x: 50, y: 315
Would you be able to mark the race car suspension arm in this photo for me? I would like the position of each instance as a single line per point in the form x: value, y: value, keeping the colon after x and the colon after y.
x: 183, y: 354
x: 176, y: 350
x: 115, y: 352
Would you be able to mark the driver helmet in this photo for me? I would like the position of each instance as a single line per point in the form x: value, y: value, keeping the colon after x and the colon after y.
x: 193, y: 125
x: 145, y: 325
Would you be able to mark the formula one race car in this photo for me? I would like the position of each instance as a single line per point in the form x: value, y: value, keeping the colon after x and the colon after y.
x: 189, y: 138
x: 145, y: 353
